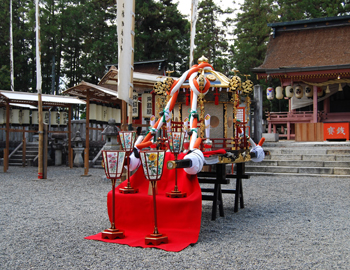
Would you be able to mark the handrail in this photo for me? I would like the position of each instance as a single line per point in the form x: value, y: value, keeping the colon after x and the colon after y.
x: 14, y: 151
x: 98, y: 154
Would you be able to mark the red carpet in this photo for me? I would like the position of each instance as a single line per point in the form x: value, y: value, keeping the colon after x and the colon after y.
x: 178, y: 218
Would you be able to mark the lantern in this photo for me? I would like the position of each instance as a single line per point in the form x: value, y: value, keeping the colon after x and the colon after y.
x: 109, y: 113
x: 308, y: 91
x: 46, y: 117
x: 55, y: 120
x: 104, y: 113
x: 63, y: 118
x: 270, y: 93
x: 2, y: 116
x: 116, y: 115
x: 113, y: 164
x: 127, y: 139
x: 35, y: 118
x: 340, y: 88
x: 92, y: 111
x: 289, y: 91
x: 15, y: 116
x: 152, y: 164
x: 99, y: 113
x: 298, y: 92
x: 279, y: 92
x: 25, y: 117
x: 176, y: 141
x: 320, y: 91
x: 146, y: 105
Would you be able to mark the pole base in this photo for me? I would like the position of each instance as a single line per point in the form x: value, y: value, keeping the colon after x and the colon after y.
x: 176, y: 194
x: 128, y: 190
x: 156, y: 239
x: 112, y: 234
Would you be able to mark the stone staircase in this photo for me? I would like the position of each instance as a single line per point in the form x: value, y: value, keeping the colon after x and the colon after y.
x: 326, y: 159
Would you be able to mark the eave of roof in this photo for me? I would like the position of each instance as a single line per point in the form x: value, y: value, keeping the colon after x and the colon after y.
x: 32, y: 98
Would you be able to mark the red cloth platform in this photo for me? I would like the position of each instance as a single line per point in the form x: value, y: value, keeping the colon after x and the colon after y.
x: 178, y: 218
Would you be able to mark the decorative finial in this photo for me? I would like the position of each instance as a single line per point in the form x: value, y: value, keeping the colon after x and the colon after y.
x: 203, y: 59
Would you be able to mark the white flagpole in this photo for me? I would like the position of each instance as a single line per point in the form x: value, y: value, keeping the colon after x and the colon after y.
x: 11, y: 51
x: 38, y: 87
x: 193, y: 29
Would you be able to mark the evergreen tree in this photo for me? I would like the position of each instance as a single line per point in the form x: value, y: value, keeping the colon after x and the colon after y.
x: 211, y: 38
x: 161, y: 33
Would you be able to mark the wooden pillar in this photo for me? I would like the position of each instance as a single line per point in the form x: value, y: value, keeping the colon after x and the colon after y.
x: 314, y: 117
x: 87, y: 137
x: 288, y: 130
x: 7, y: 148
x: 124, y: 115
x: 24, y: 147
x: 327, y: 105
x: 70, y: 150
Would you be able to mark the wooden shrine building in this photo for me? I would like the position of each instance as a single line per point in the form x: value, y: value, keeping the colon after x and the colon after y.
x: 311, y: 59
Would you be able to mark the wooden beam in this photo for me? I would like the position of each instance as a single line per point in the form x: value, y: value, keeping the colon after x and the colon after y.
x: 87, y: 137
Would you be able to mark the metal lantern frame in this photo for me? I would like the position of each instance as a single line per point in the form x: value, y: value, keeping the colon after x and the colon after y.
x: 152, y: 163
x: 176, y: 142
x: 113, y: 163
x: 128, y: 139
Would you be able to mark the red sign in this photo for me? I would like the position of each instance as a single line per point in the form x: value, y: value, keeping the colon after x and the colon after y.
x: 336, y: 131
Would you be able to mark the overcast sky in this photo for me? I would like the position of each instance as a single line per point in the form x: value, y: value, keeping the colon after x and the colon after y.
x: 185, y: 5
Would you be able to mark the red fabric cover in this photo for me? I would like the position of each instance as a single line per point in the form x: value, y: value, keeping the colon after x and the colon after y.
x: 178, y: 218
x: 214, y: 152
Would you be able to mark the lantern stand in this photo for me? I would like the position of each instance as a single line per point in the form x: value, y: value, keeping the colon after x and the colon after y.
x: 176, y: 141
x: 152, y: 164
x: 127, y: 139
x: 113, y: 162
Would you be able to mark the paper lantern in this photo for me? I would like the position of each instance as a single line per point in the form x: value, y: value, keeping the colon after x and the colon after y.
x: 270, y: 93
x: 117, y: 116
x: 308, y: 91
x: 15, y: 116
x: 113, y: 163
x: 109, y: 113
x: 146, y: 105
x: 127, y: 139
x: 152, y: 164
x: 46, y: 117
x: 35, y: 118
x: 279, y: 92
x: 92, y: 112
x: 104, y: 114
x: 2, y: 116
x: 55, y: 120
x: 25, y: 117
x: 99, y: 113
x: 63, y: 118
x: 289, y: 91
x: 298, y: 92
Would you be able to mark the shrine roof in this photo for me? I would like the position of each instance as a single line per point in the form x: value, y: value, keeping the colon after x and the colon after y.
x: 308, y: 45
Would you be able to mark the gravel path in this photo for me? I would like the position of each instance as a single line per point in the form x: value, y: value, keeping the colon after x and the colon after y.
x: 288, y: 223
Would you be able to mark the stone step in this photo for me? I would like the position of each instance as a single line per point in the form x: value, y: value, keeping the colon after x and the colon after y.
x: 299, y: 170
x: 309, y: 157
x: 270, y: 174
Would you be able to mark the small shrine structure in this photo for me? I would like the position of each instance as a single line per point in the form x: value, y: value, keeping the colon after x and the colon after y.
x: 311, y: 59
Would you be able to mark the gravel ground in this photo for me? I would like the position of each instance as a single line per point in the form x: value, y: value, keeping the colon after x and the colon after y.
x: 287, y: 223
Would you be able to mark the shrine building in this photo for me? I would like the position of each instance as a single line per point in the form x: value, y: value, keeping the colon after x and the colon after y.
x: 311, y: 59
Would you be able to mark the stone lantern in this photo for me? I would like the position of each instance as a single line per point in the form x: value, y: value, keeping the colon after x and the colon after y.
x: 58, y: 141
x: 111, y: 133
x: 77, y: 144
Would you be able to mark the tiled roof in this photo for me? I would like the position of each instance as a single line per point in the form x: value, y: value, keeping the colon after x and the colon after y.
x: 317, y: 47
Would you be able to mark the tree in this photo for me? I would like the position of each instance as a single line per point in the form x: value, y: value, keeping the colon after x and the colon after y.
x: 211, y: 38
x: 161, y: 33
